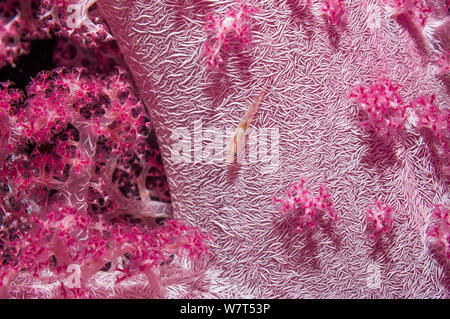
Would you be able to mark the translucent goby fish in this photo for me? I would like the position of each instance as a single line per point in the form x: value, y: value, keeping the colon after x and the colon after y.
x: 236, y: 143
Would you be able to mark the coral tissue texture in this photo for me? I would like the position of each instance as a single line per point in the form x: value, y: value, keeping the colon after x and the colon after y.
x: 315, y: 134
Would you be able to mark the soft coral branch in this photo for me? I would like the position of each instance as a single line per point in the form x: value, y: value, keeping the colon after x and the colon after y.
x: 69, y: 237
x: 75, y: 18
x: 11, y: 42
x: 428, y: 115
x: 75, y: 155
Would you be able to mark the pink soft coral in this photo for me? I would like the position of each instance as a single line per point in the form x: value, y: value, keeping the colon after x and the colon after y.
x: 10, y: 100
x: 439, y: 235
x: 431, y: 117
x: 333, y: 11
x: 18, y: 27
x: 84, y: 129
x: 75, y: 159
x: 418, y: 11
x: 299, y: 196
x: 75, y: 18
x: 443, y: 63
x: 234, y: 24
x: 384, y: 107
x: 24, y: 21
x: 59, y: 237
x: 11, y: 45
x: 379, y: 218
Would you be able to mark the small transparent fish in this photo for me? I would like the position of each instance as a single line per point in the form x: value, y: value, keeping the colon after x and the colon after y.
x: 238, y: 138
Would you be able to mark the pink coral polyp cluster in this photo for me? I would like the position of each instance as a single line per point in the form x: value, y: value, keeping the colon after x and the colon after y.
x: 385, y: 110
x: 298, y: 196
x: 81, y: 129
x: 234, y: 24
x: 74, y: 159
x: 379, y: 218
x: 63, y: 236
x: 24, y: 21
x: 333, y: 11
x: 439, y: 234
x: 430, y: 116
x: 11, y: 44
x: 75, y: 18
x: 416, y: 10
x: 443, y: 63
x: 104, y: 106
